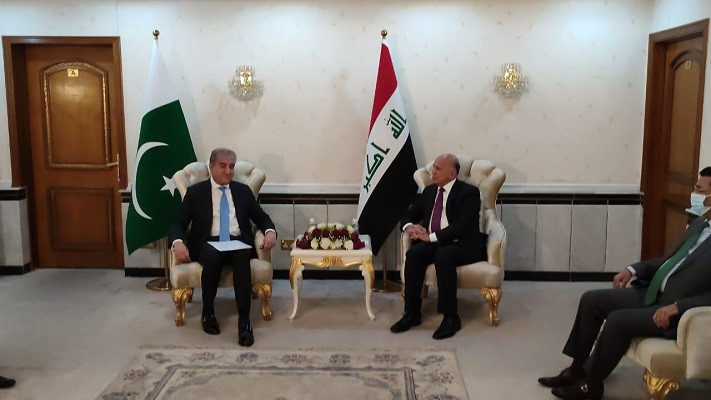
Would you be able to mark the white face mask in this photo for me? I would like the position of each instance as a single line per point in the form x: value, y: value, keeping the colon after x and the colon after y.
x: 697, y: 204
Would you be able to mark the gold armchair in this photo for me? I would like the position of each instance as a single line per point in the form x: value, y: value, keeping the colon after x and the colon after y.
x: 667, y: 362
x: 488, y: 275
x: 185, y: 277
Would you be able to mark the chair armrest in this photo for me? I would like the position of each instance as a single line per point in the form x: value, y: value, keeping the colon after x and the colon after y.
x: 694, y: 339
x: 495, y: 240
x: 262, y: 254
x: 406, y: 243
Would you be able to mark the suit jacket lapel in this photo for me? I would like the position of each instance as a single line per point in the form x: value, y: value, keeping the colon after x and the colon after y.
x: 703, y: 247
x: 452, y: 197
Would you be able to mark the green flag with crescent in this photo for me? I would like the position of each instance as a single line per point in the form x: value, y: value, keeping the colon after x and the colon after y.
x: 164, y: 147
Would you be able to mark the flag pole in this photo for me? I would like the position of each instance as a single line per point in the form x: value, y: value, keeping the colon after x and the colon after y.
x: 161, y: 284
x: 386, y: 285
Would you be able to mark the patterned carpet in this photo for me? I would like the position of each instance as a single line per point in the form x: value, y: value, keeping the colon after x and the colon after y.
x: 236, y: 373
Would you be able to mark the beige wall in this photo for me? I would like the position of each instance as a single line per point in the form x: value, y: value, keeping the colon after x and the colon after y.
x: 580, y: 124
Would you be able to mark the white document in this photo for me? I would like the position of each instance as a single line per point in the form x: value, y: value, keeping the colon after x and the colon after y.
x: 230, y: 245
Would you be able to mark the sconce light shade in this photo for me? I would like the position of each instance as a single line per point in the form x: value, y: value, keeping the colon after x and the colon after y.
x: 243, y: 85
x: 510, y: 83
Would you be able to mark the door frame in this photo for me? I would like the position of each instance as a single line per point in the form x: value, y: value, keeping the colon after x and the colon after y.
x: 18, y: 111
x: 652, y: 156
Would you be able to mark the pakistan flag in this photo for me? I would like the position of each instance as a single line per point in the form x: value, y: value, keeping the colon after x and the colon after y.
x: 164, y: 147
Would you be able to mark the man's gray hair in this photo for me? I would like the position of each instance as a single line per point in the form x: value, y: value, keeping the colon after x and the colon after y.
x: 221, y: 151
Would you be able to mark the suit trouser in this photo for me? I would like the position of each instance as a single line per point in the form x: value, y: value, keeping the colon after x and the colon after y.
x: 212, y: 262
x: 625, y: 317
x: 446, y: 259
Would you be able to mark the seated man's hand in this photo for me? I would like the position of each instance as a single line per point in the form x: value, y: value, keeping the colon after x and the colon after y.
x: 662, y: 316
x: 269, y: 240
x: 621, y: 279
x: 416, y: 231
x: 181, y: 253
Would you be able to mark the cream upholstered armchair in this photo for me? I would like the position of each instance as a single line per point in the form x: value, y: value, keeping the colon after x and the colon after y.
x: 185, y: 277
x: 488, y: 275
x: 668, y: 362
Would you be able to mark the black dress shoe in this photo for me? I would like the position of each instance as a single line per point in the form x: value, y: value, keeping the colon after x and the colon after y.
x: 578, y: 391
x: 565, y: 378
x: 209, y: 324
x: 449, y: 326
x: 245, y: 336
x: 6, y: 382
x: 406, y: 322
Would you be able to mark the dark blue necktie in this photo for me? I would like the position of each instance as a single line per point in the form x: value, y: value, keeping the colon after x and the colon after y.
x: 224, y: 216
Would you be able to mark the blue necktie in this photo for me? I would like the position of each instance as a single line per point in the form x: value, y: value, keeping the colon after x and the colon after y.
x: 224, y: 216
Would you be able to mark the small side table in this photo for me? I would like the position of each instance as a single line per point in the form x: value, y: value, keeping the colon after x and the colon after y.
x: 332, y: 258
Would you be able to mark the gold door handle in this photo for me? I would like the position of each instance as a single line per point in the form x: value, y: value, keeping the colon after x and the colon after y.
x: 118, y: 170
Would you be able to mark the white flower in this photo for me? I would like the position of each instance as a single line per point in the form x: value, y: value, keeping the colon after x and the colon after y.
x: 325, y: 243
x: 340, y: 226
x: 336, y: 244
x: 321, y: 225
x: 348, y: 244
x: 350, y: 229
x: 314, y: 244
x: 312, y: 227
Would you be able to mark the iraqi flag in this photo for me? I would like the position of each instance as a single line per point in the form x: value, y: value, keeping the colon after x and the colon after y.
x: 387, y: 187
x: 164, y: 147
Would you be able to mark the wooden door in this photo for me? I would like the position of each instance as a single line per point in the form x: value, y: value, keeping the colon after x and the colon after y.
x: 75, y: 144
x: 675, y: 89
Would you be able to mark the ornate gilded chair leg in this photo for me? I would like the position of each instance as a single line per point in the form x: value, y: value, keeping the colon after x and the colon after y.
x: 180, y: 297
x: 658, y: 388
x: 492, y: 296
x: 264, y: 291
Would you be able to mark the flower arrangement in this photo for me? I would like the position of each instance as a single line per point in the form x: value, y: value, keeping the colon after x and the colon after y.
x: 330, y: 237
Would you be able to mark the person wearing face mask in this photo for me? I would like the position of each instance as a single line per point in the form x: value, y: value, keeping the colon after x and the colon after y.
x: 651, y: 307
x: 700, y: 199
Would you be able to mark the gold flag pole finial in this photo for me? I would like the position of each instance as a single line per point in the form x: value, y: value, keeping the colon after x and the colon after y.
x: 384, y: 33
x: 156, y: 32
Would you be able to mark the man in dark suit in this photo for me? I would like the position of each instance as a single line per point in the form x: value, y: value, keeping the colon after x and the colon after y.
x: 221, y: 209
x: 665, y: 288
x: 448, y: 237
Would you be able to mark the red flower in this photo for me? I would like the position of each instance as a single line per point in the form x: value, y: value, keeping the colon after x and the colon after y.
x: 316, y: 232
x: 326, y: 232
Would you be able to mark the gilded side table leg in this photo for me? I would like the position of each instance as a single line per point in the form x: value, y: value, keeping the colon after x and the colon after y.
x: 264, y: 291
x: 369, y: 276
x: 180, y: 296
x: 295, y: 278
x: 658, y: 388
x: 492, y: 296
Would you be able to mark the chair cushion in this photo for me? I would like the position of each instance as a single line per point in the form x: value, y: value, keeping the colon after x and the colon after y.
x: 188, y: 275
x: 662, y: 357
x: 471, y: 276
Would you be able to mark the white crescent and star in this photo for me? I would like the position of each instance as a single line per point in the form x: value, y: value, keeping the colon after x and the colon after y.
x: 169, y: 184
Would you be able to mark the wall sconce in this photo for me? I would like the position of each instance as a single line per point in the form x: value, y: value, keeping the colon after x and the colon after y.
x: 243, y: 86
x: 511, y: 84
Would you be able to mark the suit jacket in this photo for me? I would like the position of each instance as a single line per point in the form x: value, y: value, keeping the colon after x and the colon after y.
x: 690, y: 285
x: 462, y: 209
x: 195, y: 221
